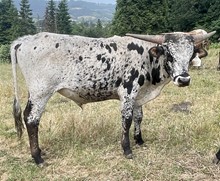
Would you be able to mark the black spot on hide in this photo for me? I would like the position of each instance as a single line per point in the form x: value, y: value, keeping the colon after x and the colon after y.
x: 80, y: 58
x: 108, y: 64
x: 114, y: 46
x: 57, y: 45
x: 108, y: 48
x: 17, y: 46
x: 151, y: 59
x: 118, y: 82
x: 141, y: 80
x: 134, y: 73
x: 166, y: 66
x: 143, y: 65
x: 156, y: 75
x: 103, y: 59
x: 104, y: 85
x: 99, y: 56
x: 35, y: 48
x: 101, y: 45
x: 94, y: 85
x: 90, y: 48
x: 139, y: 49
x: 129, y: 84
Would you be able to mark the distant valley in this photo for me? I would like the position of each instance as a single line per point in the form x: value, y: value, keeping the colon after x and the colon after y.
x: 79, y: 10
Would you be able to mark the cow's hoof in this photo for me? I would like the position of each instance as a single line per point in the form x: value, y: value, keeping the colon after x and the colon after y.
x: 215, y: 160
x: 39, y: 161
x: 41, y: 165
x: 138, y: 139
x: 129, y: 156
x: 139, y: 142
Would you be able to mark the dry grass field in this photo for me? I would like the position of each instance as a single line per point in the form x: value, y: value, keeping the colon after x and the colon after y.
x: 181, y: 129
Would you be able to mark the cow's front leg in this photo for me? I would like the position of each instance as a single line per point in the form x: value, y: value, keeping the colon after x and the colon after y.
x: 137, y: 117
x: 127, y: 114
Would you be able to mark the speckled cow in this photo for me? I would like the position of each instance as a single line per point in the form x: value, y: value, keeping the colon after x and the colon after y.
x: 132, y: 69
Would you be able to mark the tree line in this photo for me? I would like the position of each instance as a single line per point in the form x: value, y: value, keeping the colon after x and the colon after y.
x: 133, y: 16
x: 15, y: 23
x: 158, y: 16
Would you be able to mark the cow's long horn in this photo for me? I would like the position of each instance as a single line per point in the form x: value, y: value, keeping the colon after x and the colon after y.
x: 159, y: 39
x: 198, y: 38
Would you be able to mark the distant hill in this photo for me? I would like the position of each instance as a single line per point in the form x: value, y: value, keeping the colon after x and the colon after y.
x: 79, y: 10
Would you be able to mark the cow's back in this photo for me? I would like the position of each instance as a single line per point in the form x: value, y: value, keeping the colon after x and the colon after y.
x: 88, y: 66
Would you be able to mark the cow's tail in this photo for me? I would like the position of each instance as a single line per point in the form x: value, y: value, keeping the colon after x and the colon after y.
x: 16, y: 106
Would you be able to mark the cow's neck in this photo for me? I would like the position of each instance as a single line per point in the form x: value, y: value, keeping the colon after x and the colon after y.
x: 151, y: 89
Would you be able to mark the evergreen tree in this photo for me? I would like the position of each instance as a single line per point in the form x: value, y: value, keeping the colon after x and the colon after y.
x: 63, y: 18
x: 121, y: 20
x: 50, y: 17
x: 25, y: 13
x: 107, y: 30
x: 89, y: 29
x: 184, y: 15
x: 9, y: 26
x: 99, y: 29
x: 212, y: 19
x: 77, y: 28
x: 140, y: 16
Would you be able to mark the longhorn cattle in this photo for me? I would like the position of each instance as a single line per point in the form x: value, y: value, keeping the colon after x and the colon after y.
x: 132, y: 69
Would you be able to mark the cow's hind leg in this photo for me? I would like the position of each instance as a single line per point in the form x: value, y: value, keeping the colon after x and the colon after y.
x: 137, y: 117
x: 32, y: 115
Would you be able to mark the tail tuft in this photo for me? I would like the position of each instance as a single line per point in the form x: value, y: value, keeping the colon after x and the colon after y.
x: 17, y: 117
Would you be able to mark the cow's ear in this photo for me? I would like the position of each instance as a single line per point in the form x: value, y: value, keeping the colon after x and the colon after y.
x: 156, y: 51
x: 201, y: 52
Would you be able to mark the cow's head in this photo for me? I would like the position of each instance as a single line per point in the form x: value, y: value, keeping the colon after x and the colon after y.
x: 178, y: 49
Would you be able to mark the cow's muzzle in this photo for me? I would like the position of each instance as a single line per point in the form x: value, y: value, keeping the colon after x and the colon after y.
x: 182, y: 80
